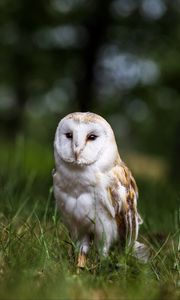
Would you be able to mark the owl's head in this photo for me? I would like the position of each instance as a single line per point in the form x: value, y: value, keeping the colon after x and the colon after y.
x: 83, y: 139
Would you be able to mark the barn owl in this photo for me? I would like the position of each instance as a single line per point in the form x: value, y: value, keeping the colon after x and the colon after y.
x: 94, y: 190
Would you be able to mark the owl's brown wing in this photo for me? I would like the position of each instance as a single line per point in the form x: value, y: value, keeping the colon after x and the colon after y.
x: 124, y: 193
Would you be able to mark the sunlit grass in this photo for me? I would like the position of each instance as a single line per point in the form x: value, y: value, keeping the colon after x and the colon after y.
x: 38, y: 258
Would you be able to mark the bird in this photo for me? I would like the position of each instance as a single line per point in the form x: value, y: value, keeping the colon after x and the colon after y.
x: 94, y: 189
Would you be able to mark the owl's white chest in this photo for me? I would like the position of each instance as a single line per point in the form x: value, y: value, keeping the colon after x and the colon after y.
x: 83, y: 201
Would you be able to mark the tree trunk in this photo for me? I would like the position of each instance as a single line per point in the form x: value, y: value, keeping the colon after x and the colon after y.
x: 96, y: 27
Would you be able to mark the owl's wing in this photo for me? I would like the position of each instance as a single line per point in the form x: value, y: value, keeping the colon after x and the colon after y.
x: 124, y: 193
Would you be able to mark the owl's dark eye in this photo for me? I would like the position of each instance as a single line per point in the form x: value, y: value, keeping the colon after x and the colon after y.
x: 92, y: 137
x: 69, y: 135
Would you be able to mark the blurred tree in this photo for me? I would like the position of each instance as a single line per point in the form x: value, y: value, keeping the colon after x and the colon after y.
x: 119, y: 58
x: 19, y: 21
x: 96, y: 25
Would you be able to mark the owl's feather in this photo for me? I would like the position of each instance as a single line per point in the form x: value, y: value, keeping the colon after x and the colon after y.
x: 123, y: 194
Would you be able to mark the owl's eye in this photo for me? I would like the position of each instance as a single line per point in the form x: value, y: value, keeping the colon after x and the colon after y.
x: 69, y: 135
x: 92, y: 137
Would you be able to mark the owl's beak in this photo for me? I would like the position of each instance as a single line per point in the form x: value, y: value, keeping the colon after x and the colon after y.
x: 76, y: 154
x: 77, y: 151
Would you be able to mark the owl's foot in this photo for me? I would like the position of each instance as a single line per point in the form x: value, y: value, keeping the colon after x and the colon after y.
x: 83, y: 250
x: 81, y: 261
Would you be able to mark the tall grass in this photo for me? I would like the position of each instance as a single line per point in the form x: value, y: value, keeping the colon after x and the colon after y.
x: 38, y: 258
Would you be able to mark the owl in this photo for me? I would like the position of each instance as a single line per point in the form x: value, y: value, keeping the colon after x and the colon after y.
x: 94, y: 189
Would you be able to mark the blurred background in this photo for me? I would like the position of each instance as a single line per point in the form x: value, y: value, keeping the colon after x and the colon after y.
x: 120, y: 59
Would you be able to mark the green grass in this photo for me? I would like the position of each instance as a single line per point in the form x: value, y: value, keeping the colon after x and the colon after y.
x: 37, y: 256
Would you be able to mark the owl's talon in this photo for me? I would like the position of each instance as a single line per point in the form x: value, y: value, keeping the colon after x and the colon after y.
x: 81, y: 261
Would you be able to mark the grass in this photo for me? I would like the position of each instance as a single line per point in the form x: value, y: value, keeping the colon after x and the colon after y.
x: 37, y: 256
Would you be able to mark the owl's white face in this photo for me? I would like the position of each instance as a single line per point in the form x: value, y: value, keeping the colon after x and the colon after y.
x: 82, y: 141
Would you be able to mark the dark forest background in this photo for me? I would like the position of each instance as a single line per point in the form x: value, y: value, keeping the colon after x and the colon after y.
x: 120, y: 59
